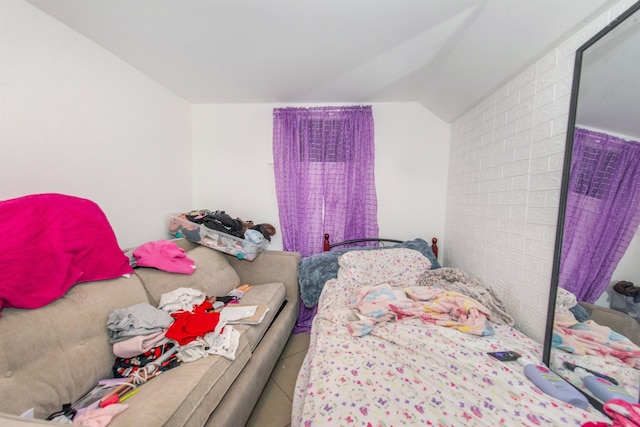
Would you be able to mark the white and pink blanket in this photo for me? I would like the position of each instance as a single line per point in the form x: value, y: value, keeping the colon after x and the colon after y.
x: 589, y: 337
x: 382, y: 303
x: 594, y: 339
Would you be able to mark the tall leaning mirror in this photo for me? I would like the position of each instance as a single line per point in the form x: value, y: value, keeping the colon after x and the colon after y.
x: 594, y: 307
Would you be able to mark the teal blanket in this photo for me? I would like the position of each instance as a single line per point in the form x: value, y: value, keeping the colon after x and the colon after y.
x: 315, y: 270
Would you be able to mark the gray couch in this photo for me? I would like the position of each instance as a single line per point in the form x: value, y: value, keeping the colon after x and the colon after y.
x: 53, y: 355
x: 620, y: 322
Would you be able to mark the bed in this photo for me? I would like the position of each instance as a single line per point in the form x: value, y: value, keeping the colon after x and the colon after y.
x: 379, y: 363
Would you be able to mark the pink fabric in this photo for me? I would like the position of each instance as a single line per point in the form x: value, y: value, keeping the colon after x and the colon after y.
x: 50, y: 242
x: 381, y: 303
x: 592, y: 338
x: 99, y: 417
x: 164, y: 255
x: 624, y: 414
x: 137, y: 345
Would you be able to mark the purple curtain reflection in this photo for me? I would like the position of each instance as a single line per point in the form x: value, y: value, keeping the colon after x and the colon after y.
x: 603, y: 211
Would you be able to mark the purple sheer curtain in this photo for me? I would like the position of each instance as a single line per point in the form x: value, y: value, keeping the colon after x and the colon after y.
x: 324, y: 171
x: 603, y: 211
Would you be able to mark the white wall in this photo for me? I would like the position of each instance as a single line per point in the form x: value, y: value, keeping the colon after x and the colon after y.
x: 233, y: 166
x: 75, y: 119
x: 504, y: 180
x: 628, y: 270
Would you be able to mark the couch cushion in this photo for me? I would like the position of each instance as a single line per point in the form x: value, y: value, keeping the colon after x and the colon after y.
x: 272, y: 294
x: 54, y: 354
x: 176, y: 397
x: 214, y: 276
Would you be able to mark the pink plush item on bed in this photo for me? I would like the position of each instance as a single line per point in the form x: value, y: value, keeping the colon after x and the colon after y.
x: 50, y: 242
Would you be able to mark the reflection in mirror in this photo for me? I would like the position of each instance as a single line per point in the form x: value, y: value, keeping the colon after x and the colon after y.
x: 595, y: 291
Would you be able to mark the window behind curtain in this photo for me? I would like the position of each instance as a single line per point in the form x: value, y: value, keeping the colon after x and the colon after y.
x: 595, y: 168
x: 324, y: 140
x: 324, y: 170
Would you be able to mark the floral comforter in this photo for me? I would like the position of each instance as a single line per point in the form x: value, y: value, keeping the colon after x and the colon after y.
x: 408, y: 372
x: 592, y: 346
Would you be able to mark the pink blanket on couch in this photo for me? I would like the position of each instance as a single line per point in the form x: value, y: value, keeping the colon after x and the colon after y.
x: 50, y: 242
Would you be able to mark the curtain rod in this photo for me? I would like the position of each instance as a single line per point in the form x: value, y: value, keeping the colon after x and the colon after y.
x: 324, y: 109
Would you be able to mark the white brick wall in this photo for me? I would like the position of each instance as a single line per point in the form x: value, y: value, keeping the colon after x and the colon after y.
x: 505, y: 172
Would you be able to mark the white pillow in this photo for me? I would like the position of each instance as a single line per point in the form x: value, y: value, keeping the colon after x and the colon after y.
x: 564, y: 301
x: 394, y: 266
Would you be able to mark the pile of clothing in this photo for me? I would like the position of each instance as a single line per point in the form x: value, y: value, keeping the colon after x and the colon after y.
x: 185, y: 323
x: 148, y: 341
x: 223, y: 222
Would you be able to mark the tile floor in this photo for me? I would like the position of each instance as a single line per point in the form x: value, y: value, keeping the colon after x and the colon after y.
x: 274, y: 407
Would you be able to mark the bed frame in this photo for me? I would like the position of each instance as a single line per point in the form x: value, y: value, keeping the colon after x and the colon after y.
x: 327, y: 245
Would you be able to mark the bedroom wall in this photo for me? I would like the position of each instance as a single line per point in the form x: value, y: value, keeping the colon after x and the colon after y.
x: 75, y: 119
x: 627, y: 270
x: 504, y: 180
x: 233, y: 166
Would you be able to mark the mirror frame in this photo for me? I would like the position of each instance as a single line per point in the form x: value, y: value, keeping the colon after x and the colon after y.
x: 564, y: 189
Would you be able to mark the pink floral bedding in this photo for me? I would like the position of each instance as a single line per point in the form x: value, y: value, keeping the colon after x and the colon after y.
x: 592, y: 346
x: 627, y: 377
x: 589, y: 338
x: 382, y: 303
x: 408, y: 372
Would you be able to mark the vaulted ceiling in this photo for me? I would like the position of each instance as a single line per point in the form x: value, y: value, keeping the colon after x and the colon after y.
x: 444, y: 54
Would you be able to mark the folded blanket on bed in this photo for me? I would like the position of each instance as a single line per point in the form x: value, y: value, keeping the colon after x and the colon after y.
x: 315, y: 270
x: 380, y: 304
x: 456, y: 279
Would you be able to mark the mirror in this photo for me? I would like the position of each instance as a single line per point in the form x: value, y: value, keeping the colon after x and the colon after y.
x: 602, y: 152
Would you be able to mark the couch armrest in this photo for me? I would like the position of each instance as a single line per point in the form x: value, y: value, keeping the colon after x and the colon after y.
x: 620, y: 322
x: 271, y: 266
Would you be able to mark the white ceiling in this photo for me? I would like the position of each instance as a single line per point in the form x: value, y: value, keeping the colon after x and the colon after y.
x: 445, y: 54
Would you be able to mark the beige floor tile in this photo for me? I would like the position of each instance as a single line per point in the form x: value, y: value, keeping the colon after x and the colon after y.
x: 285, y: 372
x: 273, y: 408
x: 296, y: 344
